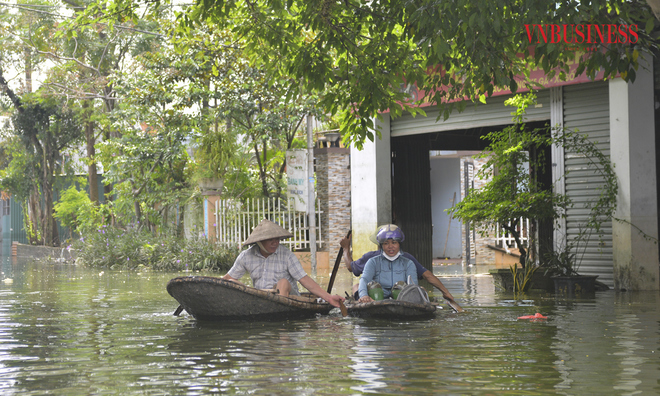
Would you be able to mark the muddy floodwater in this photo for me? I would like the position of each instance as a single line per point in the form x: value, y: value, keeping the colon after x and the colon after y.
x: 66, y: 330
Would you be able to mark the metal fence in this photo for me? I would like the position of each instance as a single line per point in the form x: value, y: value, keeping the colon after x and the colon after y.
x: 235, y: 220
x: 505, y: 240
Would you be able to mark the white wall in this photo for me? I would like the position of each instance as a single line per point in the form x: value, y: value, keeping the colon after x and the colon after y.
x: 371, y: 188
x: 445, y: 182
x: 632, y: 137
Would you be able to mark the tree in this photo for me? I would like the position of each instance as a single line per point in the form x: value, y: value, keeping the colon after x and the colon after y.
x: 513, y: 189
x: 367, y: 57
x: 84, y: 57
x: 266, y: 111
x: 46, y: 128
x: 269, y: 113
x: 147, y: 161
x: 20, y: 30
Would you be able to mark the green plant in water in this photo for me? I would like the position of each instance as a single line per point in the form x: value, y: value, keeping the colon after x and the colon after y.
x: 514, y: 190
x: 561, y: 262
x: 114, y: 248
x: 522, y: 277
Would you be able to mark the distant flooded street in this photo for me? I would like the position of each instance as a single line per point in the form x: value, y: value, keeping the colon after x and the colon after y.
x: 66, y: 330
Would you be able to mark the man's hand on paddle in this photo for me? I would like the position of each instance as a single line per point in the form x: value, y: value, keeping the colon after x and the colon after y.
x: 316, y: 290
x: 334, y: 300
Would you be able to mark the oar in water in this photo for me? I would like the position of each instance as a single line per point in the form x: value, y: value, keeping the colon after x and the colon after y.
x: 342, y: 307
x: 336, y: 267
x: 454, y: 305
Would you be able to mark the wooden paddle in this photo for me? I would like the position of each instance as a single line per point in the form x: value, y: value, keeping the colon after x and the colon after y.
x: 454, y: 305
x: 336, y: 267
x: 342, y: 308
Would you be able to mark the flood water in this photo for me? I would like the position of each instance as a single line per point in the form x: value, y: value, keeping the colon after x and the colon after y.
x: 66, y: 330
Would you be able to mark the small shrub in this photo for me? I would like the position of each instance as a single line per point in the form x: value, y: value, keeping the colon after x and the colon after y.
x: 115, y: 248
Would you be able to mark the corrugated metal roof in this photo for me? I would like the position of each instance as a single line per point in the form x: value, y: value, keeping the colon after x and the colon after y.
x: 494, y: 112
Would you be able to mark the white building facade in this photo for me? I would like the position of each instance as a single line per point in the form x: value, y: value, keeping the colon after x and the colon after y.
x: 391, y: 177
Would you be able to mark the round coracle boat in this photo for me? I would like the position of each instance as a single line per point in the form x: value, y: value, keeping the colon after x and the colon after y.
x: 212, y: 299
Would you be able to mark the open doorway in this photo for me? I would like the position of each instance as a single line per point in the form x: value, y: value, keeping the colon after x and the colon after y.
x: 446, y: 192
x: 427, y: 169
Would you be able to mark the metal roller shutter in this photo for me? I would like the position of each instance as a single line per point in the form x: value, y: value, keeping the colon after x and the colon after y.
x: 494, y: 112
x: 586, y: 109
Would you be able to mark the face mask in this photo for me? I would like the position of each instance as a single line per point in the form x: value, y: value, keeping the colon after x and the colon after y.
x: 392, y: 258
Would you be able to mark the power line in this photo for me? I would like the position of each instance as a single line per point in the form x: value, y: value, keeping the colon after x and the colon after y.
x: 34, y: 9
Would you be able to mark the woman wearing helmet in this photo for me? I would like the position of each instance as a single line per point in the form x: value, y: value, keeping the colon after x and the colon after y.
x: 389, y: 267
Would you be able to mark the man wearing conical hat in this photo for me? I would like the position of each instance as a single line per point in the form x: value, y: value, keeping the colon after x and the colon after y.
x: 273, y: 266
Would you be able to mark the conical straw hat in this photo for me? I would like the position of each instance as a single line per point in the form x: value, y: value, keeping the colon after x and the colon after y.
x: 266, y: 230
x: 372, y: 237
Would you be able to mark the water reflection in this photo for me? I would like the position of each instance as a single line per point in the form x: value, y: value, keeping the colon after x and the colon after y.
x: 616, y: 331
x: 70, y: 331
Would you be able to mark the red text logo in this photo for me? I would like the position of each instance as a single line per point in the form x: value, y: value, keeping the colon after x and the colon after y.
x: 582, y: 34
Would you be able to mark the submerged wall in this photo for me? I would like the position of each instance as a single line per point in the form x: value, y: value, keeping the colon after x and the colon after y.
x: 635, y: 233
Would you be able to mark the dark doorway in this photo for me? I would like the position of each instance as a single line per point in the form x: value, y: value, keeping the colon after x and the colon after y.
x: 411, y: 184
x: 411, y: 195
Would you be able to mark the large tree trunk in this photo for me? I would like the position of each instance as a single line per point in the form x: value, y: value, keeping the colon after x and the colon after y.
x: 262, y: 170
x: 516, y: 236
x: 4, y: 87
x: 92, y: 177
x: 109, y: 107
x: 51, y: 232
x: 34, y: 217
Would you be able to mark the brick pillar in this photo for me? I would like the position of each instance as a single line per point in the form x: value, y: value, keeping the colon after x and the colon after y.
x: 210, y: 198
x: 333, y: 178
x: 321, y: 170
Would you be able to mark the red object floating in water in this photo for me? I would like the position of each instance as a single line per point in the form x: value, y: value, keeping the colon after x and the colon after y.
x: 536, y: 316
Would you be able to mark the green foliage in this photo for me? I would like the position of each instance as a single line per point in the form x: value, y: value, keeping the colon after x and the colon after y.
x: 514, y: 160
x: 46, y: 128
x: 361, y: 58
x: 214, y: 155
x: 147, y: 162
x: 18, y: 174
x: 242, y: 179
x: 562, y: 262
x: 32, y: 229
x: 368, y: 57
x: 67, y: 209
x: 114, y: 248
x: 599, y: 211
x: 522, y: 277
x: 77, y: 212
x: 514, y: 191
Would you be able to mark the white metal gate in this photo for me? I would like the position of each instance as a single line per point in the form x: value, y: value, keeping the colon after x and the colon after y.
x: 234, y: 221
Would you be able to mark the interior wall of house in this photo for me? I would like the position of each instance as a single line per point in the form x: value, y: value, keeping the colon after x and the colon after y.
x: 445, y: 192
